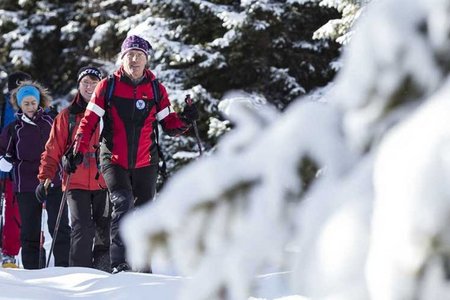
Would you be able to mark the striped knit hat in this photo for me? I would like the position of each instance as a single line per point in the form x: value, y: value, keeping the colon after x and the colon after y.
x: 134, y: 42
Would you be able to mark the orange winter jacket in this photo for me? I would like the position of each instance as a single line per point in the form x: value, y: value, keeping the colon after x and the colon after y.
x: 58, y: 143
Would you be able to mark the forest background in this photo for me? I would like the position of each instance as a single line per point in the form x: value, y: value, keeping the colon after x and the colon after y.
x: 327, y: 139
x: 269, y: 51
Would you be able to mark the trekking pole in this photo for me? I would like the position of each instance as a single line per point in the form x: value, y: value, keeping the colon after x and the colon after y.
x: 61, y: 207
x: 1, y: 226
x: 189, y: 102
x: 42, y: 237
x: 58, y: 219
x: 2, y: 212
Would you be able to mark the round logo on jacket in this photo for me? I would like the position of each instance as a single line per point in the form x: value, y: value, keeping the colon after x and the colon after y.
x: 140, y: 104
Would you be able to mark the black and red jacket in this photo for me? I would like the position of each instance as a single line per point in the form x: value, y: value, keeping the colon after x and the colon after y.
x: 130, y: 116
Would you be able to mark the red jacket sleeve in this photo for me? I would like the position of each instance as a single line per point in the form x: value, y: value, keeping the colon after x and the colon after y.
x: 94, y: 111
x: 55, y: 147
x: 168, y: 118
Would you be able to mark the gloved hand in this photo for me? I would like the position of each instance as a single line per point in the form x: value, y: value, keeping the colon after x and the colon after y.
x: 70, y: 161
x: 190, y: 112
x: 5, y: 164
x: 41, y: 192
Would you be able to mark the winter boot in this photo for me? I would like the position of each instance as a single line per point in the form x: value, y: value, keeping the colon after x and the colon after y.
x: 102, y: 261
x: 9, y: 261
x: 123, y: 267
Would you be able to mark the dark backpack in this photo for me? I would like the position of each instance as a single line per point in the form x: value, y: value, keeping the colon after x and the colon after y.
x: 162, y: 167
x: 72, y: 122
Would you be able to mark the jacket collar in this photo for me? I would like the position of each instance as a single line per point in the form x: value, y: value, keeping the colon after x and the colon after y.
x: 78, y: 104
x: 23, y: 117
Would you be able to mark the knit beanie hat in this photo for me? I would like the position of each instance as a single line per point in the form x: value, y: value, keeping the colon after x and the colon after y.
x: 15, y: 78
x: 134, y: 42
x: 89, y: 70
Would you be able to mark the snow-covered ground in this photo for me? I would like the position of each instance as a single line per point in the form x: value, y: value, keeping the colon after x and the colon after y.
x: 84, y: 283
x: 57, y: 283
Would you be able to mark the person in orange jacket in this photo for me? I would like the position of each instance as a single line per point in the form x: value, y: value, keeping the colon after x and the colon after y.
x: 87, y: 196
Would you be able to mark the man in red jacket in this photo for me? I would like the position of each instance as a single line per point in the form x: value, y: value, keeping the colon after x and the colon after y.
x: 90, y: 213
x: 129, y: 155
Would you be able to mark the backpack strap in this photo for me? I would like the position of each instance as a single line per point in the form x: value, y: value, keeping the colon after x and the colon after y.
x: 109, y: 90
x: 110, y: 85
x: 72, y: 122
x: 71, y: 126
x: 156, y: 92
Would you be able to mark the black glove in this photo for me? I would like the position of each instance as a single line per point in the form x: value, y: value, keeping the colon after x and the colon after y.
x: 70, y: 161
x: 190, y: 112
x: 41, y: 193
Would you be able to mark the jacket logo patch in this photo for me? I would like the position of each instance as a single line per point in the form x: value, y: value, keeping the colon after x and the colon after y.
x: 140, y: 104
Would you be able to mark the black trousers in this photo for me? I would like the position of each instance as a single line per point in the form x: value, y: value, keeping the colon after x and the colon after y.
x: 31, y: 212
x: 128, y: 189
x: 90, y: 217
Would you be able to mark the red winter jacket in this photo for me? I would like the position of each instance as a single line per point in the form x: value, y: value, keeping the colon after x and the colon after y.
x: 129, y: 120
x: 58, y: 143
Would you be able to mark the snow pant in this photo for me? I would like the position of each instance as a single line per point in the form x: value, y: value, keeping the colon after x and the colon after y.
x: 31, y: 212
x: 90, y: 217
x: 11, y: 227
x: 128, y: 189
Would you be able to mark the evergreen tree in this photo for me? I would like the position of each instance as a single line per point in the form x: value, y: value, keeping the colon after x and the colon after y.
x: 204, y: 48
x: 263, y: 47
x: 373, y: 224
x: 52, y: 39
x: 340, y: 29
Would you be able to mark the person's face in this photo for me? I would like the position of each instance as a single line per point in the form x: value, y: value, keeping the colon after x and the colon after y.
x: 87, y: 87
x: 29, y: 106
x: 134, y: 62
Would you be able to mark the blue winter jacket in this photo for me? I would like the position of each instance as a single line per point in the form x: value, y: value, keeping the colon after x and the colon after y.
x: 8, y: 115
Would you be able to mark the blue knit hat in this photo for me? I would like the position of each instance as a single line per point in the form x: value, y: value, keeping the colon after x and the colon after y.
x: 134, y: 42
x: 27, y: 90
